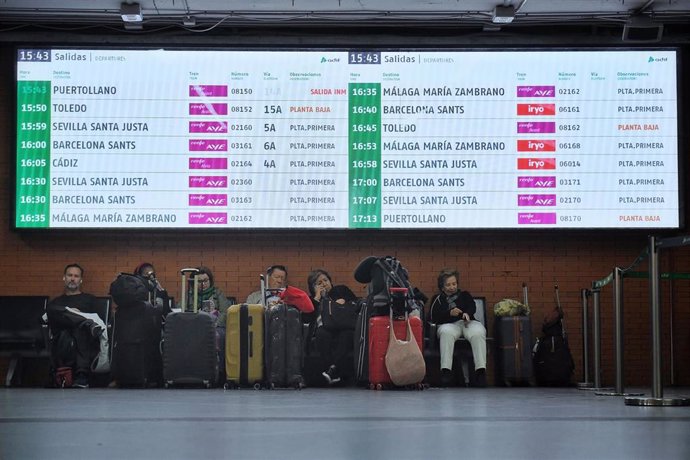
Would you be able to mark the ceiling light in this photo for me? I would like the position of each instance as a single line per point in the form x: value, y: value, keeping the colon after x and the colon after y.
x: 189, y: 21
x: 131, y: 12
x: 503, y: 14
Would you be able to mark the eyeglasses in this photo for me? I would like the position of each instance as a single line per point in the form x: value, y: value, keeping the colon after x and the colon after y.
x: 205, y: 281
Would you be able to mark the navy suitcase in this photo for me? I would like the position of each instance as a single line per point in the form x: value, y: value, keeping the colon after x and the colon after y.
x: 513, y: 337
x: 284, y: 347
x: 189, y: 350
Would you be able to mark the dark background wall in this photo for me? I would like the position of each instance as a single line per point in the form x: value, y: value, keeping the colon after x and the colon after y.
x: 492, y: 263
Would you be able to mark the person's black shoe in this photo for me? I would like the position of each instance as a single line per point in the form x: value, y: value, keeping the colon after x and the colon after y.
x: 447, y: 378
x: 82, y: 381
x: 480, y: 378
x: 331, y: 375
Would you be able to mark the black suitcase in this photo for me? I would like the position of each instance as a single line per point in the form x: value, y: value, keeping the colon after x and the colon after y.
x: 284, y: 345
x: 189, y: 350
x: 136, y: 357
x: 513, y: 337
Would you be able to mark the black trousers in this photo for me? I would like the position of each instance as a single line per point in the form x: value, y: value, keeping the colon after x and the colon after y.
x: 335, y: 348
x: 86, y: 347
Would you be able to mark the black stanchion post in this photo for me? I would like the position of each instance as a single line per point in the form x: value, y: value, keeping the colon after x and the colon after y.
x: 584, y: 293
x: 657, y: 398
x: 618, y: 310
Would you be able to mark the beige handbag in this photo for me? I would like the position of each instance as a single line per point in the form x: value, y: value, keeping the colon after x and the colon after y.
x: 404, y: 359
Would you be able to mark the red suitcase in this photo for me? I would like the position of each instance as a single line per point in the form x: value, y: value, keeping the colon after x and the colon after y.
x: 378, y: 345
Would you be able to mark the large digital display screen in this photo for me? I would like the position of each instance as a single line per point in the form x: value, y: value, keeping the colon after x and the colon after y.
x: 346, y: 139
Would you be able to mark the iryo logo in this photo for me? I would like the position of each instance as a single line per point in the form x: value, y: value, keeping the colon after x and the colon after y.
x: 533, y: 145
x: 536, y: 109
x: 536, y: 182
x: 536, y: 163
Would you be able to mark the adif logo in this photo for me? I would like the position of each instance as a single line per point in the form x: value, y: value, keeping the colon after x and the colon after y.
x: 536, y: 91
x: 536, y: 182
x: 653, y: 59
x: 324, y: 59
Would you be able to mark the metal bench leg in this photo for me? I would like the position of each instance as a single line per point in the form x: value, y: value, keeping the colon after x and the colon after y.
x: 14, y: 361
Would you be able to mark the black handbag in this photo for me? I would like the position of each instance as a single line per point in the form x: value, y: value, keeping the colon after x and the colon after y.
x: 338, y: 316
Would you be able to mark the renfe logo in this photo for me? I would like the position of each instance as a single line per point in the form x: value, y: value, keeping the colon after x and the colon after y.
x: 208, y: 145
x: 536, y: 127
x: 536, y: 200
x: 208, y: 163
x: 198, y: 108
x: 536, y: 91
x: 531, y: 145
x: 208, y: 218
x: 536, y: 163
x: 536, y: 182
x: 208, y: 91
x: 211, y: 199
x: 537, y: 218
x: 220, y: 127
x: 208, y: 181
x: 536, y: 109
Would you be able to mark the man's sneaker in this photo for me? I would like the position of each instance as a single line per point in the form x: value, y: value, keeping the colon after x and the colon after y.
x: 331, y: 375
x: 480, y: 378
x: 82, y: 381
x: 447, y: 377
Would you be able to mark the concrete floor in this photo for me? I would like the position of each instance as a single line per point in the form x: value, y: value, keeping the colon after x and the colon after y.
x: 329, y: 423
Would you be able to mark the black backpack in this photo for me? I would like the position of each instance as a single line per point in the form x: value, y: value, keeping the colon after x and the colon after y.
x: 551, y: 357
x: 389, y: 286
x: 128, y: 289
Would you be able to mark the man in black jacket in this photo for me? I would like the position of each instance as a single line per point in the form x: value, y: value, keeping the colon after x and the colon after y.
x: 64, y: 318
x: 453, y: 310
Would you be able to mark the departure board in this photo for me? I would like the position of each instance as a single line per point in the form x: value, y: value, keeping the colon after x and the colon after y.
x: 346, y: 139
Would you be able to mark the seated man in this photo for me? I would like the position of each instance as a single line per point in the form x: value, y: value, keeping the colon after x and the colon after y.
x: 64, y: 318
x: 453, y: 310
x: 276, y: 279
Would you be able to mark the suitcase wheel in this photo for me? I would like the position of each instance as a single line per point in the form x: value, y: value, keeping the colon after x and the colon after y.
x: 257, y: 386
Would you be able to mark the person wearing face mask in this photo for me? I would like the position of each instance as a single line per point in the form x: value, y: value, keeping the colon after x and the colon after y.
x: 66, y: 323
x: 333, y: 344
x: 453, y: 310
x: 158, y: 296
